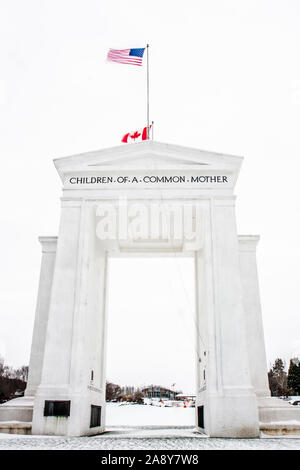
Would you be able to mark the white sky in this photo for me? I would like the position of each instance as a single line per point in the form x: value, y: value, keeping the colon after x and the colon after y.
x: 225, y: 76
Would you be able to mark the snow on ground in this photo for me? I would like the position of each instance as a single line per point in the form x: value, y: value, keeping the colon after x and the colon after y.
x: 174, y: 443
x: 145, y: 427
x: 146, y: 415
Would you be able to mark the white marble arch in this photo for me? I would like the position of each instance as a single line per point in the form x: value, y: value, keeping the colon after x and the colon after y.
x: 69, y: 339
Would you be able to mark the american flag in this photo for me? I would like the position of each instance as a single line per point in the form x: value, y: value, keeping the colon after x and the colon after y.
x: 126, y: 56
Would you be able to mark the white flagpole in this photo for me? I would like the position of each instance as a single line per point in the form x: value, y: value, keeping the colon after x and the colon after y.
x: 148, y: 127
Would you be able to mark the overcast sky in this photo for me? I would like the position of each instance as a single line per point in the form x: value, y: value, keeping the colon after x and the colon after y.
x: 225, y: 76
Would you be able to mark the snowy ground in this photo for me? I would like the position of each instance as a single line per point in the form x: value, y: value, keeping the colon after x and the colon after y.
x: 174, y: 443
x: 146, y: 415
x: 145, y: 427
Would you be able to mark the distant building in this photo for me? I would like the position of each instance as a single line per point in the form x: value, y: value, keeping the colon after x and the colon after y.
x: 183, y: 397
x: 157, y: 391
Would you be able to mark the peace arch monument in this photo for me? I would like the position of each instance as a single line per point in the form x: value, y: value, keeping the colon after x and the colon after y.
x: 65, y: 393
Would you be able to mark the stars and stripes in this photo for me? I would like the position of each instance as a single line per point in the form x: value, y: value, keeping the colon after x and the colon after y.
x: 126, y: 56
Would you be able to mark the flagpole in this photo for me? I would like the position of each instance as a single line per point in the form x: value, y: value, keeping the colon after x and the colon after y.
x: 148, y: 127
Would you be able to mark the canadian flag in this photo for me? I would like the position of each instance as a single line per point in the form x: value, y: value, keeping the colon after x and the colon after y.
x: 136, y: 135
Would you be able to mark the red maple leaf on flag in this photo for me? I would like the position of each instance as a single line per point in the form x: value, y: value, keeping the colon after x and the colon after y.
x: 135, y: 135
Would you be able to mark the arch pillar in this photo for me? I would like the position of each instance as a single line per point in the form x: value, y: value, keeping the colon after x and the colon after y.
x: 253, y: 316
x: 227, y: 395
x: 41, y: 315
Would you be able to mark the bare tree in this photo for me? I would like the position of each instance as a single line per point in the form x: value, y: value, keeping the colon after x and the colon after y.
x: 22, y: 373
x: 113, y: 391
x: 12, y: 381
x: 1, y: 366
x: 138, y: 397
